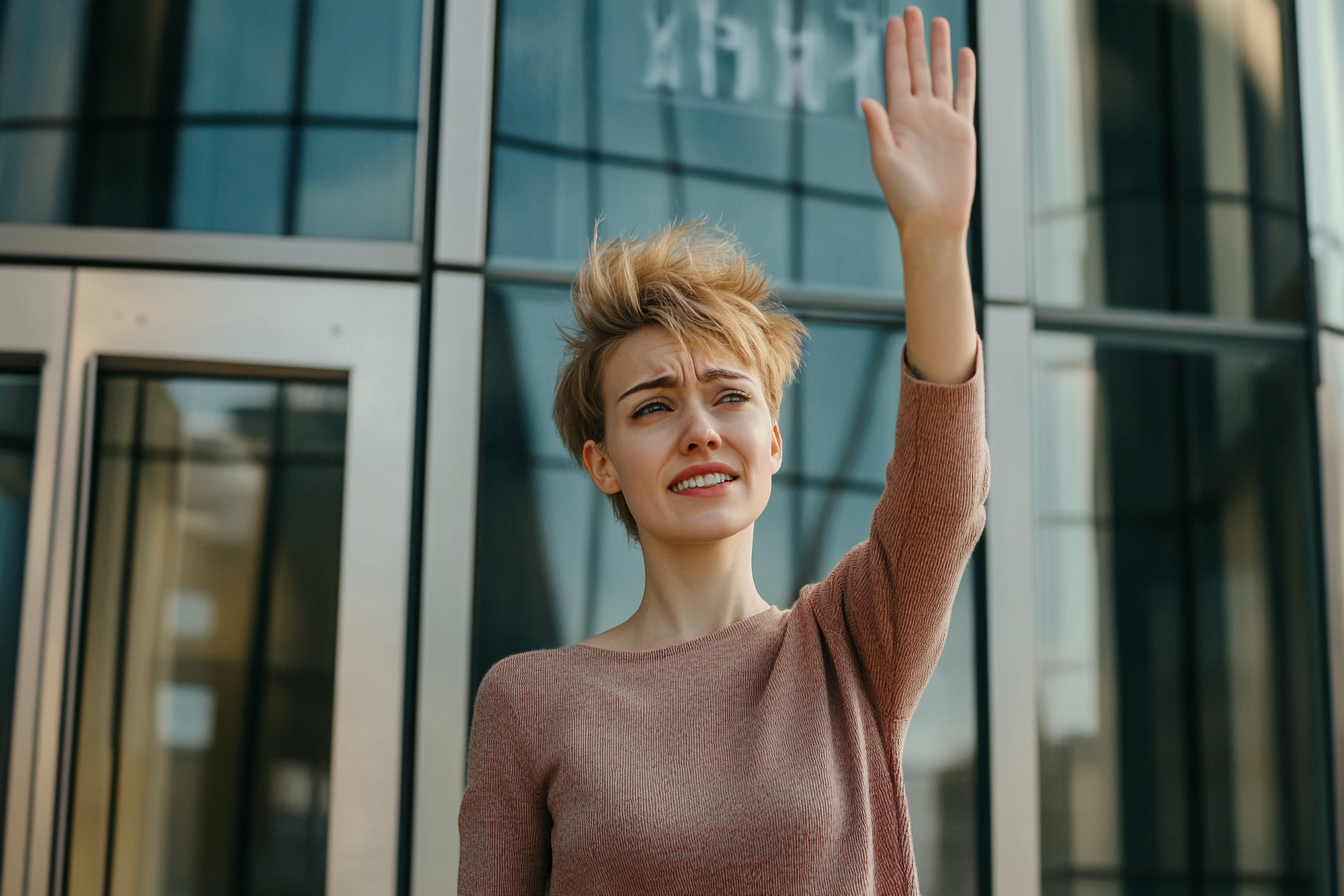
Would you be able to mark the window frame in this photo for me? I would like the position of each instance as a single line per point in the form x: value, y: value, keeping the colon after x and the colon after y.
x: 220, y: 249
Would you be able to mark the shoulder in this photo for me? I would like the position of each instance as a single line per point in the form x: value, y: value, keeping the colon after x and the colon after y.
x: 517, y: 678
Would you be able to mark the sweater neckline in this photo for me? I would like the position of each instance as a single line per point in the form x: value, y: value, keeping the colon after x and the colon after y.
x: 742, y: 625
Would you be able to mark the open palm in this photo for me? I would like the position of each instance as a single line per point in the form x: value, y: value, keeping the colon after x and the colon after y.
x: 923, y: 142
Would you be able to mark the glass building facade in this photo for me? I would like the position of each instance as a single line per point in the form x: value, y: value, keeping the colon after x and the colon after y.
x: 279, y: 292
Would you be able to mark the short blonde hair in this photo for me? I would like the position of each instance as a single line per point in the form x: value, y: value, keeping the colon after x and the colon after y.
x: 696, y: 282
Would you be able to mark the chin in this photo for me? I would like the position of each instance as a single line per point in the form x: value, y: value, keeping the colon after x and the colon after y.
x: 704, y: 531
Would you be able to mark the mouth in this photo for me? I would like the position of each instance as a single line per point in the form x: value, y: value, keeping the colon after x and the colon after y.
x: 701, y: 484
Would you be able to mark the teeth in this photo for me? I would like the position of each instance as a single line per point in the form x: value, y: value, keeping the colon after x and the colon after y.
x: 701, y: 481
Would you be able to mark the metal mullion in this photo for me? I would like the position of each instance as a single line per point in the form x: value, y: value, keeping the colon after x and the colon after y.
x: 36, y: 306
x: 464, y: 158
x: 1010, y: 604
x: 446, y: 617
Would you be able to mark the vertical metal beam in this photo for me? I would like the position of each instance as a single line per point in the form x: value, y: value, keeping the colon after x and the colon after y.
x: 446, y: 602
x: 1010, y: 544
x: 464, y: 155
x: 34, y: 317
x: 1330, y: 414
x: 1004, y: 171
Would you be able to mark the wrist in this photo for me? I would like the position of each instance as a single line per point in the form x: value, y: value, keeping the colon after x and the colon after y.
x: 932, y: 239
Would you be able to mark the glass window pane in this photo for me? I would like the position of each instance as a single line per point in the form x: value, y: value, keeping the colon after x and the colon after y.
x: 34, y: 175
x: 1179, y: 673
x: 744, y: 112
x: 358, y: 184
x: 231, y: 179
x: 364, y: 58
x: 208, y: 655
x: 18, y: 433
x: 1166, y: 157
x: 554, y: 566
x: 40, y: 43
x: 240, y: 56
x: 195, y: 116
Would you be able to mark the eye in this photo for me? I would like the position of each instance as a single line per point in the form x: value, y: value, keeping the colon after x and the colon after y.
x: 734, y: 397
x: 644, y: 409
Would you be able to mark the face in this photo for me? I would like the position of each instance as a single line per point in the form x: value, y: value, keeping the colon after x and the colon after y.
x: 689, y: 439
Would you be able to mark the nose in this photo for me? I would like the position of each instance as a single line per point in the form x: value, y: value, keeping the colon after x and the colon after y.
x: 699, y: 432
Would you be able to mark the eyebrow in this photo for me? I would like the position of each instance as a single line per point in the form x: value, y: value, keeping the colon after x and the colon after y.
x: 667, y: 380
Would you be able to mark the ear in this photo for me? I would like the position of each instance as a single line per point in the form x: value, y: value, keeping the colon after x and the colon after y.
x: 600, y: 467
x: 776, y: 450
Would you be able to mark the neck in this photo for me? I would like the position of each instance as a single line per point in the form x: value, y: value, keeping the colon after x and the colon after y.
x: 694, y: 590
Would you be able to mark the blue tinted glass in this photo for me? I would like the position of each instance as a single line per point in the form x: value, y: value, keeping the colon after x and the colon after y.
x: 739, y: 110
x: 849, y: 244
x: 357, y: 184
x: 231, y: 179
x: 40, y: 43
x: 557, y: 567
x: 34, y: 175
x: 240, y: 56
x: 365, y: 58
x: 246, y: 116
x: 539, y: 207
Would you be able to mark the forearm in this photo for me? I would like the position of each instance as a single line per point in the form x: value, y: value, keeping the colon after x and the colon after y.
x: 939, y: 311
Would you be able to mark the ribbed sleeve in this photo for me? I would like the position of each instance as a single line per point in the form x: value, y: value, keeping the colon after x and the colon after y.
x: 504, y: 824
x: 896, y: 588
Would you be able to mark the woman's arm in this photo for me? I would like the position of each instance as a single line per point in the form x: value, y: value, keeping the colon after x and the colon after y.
x: 923, y: 148
x: 893, y: 593
x: 503, y: 824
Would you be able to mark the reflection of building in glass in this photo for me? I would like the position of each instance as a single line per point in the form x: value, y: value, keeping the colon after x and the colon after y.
x: 1163, y: 312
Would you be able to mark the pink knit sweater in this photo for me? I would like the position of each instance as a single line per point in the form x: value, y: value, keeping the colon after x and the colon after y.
x: 763, y: 758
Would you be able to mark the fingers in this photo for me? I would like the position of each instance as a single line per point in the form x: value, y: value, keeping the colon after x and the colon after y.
x: 914, y: 48
x: 898, y: 66
x: 965, y: 100
x: 940, y: 48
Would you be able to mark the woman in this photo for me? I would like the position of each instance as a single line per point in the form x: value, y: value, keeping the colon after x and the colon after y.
x: 712, y: 743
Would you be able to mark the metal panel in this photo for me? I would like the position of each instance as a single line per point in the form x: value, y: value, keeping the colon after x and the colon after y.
x: 1010, y: 545
x: 212, y: 249
x: 1330, y: 407
x: 1004, y: 171
x: 445, y: 627
x: 464, y: 154
x: 367, y: 329
x: 34, y: 318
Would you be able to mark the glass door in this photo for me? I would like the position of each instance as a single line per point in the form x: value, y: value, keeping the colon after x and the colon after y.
x: 230, y: 720
x: 34, y: 314
x: 206, y: 690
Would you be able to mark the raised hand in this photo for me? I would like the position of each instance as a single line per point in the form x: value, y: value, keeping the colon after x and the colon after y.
x: 923, y: 142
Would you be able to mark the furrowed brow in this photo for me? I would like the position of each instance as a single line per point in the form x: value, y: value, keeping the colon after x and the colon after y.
x: 660, y: 382
x: 668, y: 380
x: 721, y: 373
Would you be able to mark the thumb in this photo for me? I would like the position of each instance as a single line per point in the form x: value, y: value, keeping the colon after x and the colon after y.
x: 879, y: 127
